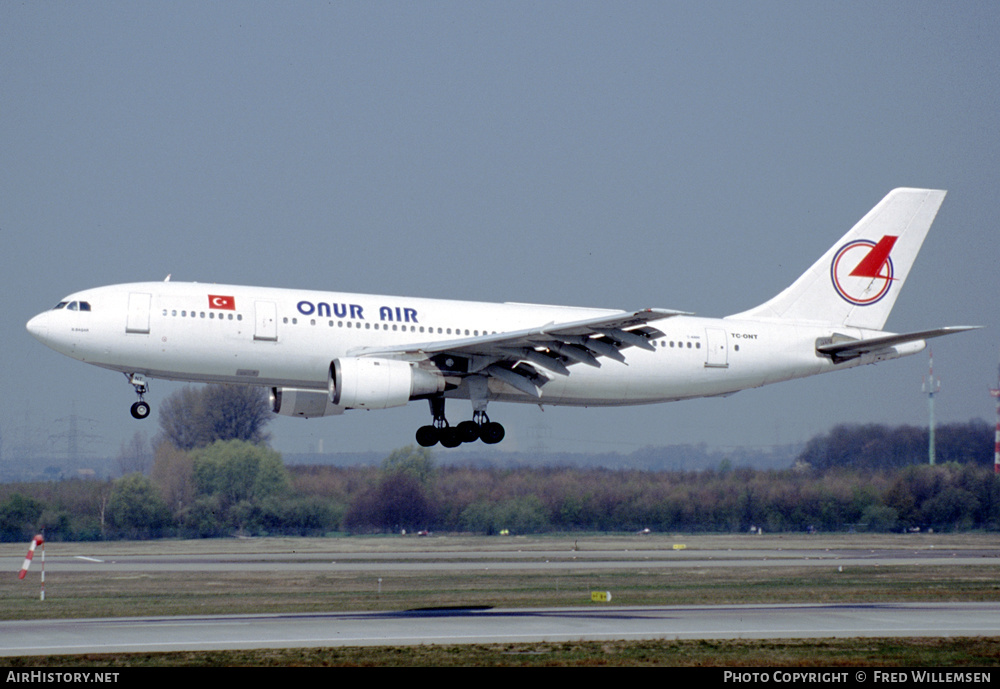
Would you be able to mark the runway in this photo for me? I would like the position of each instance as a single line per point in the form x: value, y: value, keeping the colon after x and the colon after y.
x: 433, y: 559
x: 489, y: 626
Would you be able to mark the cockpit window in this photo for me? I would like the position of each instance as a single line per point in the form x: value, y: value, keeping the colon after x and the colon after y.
x: 73, y: 306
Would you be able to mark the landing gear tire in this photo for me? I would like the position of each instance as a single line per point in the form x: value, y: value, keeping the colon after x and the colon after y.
x: 491, y: 433
x: 450, y: 437
x: 140, y: 410
x: 428, y: 436
x: 468, y: 431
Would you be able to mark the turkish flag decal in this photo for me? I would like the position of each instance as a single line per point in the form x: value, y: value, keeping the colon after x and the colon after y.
x: 219, y: 302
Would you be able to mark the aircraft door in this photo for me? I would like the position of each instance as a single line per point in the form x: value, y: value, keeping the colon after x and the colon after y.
x: 138, y: 313
x: 265, y: 321
x: 717, y: 350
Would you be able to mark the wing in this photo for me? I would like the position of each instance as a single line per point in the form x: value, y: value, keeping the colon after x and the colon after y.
x: 526, y: 359
x: 842, y: 350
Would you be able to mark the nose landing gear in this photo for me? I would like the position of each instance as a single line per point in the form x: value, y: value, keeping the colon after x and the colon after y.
x: 141, y: 409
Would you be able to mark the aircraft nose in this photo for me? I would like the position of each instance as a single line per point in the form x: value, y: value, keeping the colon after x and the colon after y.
x: 37, y: 327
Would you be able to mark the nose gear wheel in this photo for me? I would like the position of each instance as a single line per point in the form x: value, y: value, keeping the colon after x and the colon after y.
x: 141, y: 409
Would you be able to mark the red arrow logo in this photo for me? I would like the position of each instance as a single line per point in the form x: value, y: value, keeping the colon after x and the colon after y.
x: 871, y: 265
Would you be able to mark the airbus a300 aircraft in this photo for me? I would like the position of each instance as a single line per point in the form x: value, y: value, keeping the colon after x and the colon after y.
x: 321, y: 353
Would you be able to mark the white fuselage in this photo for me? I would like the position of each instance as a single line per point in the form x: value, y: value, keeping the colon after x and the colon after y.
x: 324, y: 352
x: 288, y: 338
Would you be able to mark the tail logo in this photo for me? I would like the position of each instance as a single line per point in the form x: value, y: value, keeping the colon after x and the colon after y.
x: 861, y: 270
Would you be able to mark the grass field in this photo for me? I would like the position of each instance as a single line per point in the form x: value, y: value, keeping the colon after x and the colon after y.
x: 83, y: 594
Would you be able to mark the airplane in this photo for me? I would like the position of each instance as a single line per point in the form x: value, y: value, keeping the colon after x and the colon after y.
x: 322, y: 353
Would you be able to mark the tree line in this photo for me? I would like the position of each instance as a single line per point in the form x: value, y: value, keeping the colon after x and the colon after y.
x: 233, y: 487
x: 881, y: 447
x: 210, y: 477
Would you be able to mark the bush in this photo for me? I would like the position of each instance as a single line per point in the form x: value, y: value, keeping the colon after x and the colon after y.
x: 135, y: 509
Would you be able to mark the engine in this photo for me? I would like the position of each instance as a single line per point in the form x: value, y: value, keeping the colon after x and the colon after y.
x: 363, y: 383
x: 304, y: 404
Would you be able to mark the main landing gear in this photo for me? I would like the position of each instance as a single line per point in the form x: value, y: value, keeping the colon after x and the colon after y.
x: 140, y: 410
x: 479, y: 428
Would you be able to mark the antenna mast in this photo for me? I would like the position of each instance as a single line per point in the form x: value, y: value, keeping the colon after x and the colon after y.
x: 932, y: 385
x: 995, y: 392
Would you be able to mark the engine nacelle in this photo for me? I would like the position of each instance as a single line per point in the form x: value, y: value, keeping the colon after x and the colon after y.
x: 364, y: 383
x: 305, y: 404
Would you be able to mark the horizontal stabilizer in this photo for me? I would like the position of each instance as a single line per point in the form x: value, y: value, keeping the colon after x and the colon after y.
x: 843, y: 350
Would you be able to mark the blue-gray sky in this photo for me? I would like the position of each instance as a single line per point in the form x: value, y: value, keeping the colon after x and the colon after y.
x: 695, y: 156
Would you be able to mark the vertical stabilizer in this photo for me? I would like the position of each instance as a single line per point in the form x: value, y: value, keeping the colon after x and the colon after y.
x: 857, y: 281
